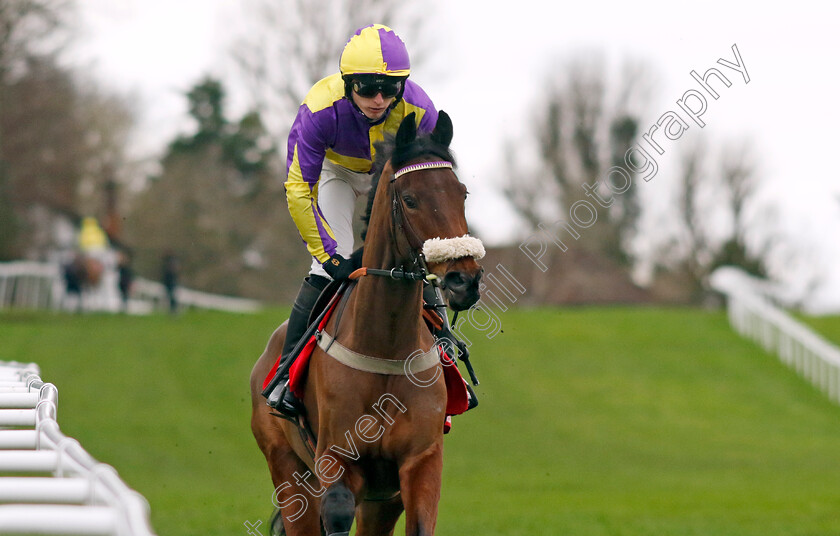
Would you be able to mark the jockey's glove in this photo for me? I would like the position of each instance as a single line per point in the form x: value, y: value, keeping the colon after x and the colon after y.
x: 338, y: 267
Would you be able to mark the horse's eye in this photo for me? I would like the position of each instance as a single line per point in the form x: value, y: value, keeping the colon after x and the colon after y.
x: 409, y: 201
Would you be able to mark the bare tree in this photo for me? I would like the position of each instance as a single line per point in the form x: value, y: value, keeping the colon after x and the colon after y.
x: 62, y: 142
x: 583, y: 127
x: 25, y: 28
x: 737, y: 173
x: 59, y: 135
x: 218, y: 205
x: 31, y: 27
x: 699, y: 254
x: 714, y: 195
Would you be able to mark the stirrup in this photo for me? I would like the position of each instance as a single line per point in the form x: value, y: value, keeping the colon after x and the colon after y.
x: 472, y: 399
x: 286, y: 405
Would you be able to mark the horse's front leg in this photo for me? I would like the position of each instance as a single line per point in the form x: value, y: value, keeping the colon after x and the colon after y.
x: 343, y: 482
x: 378, y: 518
x: 420, y: 481
x: 338, y: 508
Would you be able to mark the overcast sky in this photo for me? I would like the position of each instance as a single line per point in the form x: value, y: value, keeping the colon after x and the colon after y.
x: 496, y: 54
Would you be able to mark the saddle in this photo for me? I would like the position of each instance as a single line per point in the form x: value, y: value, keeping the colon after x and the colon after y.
x: 458, y: 393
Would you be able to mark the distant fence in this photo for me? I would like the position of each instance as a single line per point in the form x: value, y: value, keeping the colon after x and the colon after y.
x: 753, y: 315
x: 155, y: 293
x: 78, y: 495
x: 31, y: 285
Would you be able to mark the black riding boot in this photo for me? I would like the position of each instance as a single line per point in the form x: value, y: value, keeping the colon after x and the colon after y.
x: 311, y: 288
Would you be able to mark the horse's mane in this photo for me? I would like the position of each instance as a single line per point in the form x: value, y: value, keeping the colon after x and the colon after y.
x: 386, y: 150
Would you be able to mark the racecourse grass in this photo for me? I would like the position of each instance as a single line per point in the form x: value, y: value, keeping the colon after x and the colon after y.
x: 593, y: 421
x: 828, y: 326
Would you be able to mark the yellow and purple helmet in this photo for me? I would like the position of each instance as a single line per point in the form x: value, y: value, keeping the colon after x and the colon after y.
x: 375, y: 54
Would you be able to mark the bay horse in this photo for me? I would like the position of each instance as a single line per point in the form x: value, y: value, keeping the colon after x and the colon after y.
x: 379, y: 436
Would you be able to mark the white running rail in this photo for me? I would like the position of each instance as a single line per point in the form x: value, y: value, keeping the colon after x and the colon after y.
x: 48, y: 483
x: 35, y: 285
x: 753, y: 315
x: 31, y: 285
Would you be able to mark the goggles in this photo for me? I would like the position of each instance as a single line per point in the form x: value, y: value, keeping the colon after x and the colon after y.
x: 369, y: 88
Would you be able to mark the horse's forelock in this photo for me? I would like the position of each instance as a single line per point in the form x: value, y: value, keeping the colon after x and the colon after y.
x: 424, y: 146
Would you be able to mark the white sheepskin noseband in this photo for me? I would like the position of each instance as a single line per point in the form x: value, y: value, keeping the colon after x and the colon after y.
x: 448, y: 249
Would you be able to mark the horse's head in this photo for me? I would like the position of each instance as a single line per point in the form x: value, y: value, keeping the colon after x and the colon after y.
x: 427, y: 202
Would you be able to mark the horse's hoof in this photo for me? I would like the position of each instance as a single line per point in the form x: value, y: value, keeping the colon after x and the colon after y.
x: 276, y: 527
x: 338, y: 507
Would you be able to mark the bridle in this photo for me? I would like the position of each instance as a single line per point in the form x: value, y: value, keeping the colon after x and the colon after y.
x: 469, y: 246
x: 400, y: 219
x: 425, y: 251
x: 402, y: 227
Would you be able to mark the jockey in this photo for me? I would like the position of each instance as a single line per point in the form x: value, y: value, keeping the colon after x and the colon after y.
x: 330, y: 159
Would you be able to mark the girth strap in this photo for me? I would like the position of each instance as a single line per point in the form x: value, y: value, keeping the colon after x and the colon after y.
x: 377, y: 365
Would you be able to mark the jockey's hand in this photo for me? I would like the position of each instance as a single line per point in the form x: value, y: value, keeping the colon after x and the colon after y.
x: 338, y: 267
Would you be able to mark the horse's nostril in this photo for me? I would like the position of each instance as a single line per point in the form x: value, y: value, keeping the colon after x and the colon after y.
x: 456, y: 280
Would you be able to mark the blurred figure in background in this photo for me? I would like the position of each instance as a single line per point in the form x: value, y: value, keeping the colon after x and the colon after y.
x: 74, y: 275
x: 125, y: 277
x: 169, y: 276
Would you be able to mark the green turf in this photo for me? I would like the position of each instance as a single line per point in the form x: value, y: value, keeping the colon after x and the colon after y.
x: 593, y: 421
x: 827, y: 326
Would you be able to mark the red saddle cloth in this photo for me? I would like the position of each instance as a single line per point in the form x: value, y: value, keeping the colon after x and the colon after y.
x: 457, y: 397
x: 297, y: 372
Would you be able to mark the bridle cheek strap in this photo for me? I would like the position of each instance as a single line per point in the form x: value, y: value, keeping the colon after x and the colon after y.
x: 397, y: 208
x: 447, y: 249
x: 435, y: 250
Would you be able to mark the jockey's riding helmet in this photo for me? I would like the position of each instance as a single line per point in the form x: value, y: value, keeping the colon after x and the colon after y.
x: 375, y: 60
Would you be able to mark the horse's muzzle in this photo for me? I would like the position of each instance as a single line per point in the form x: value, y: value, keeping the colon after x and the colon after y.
x: 461, y: 289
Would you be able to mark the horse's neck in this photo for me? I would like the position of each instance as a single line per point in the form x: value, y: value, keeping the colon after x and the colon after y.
x: 384, y: 316
x: 387, y: 319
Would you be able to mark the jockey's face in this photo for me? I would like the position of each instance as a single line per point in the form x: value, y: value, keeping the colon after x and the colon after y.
x: 373, y: 107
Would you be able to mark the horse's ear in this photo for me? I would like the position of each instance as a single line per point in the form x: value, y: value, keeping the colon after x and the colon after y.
x: 442, y: 133
x: 407, y: 131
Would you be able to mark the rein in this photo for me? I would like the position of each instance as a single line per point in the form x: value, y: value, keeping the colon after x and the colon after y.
x: 393, y: 273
